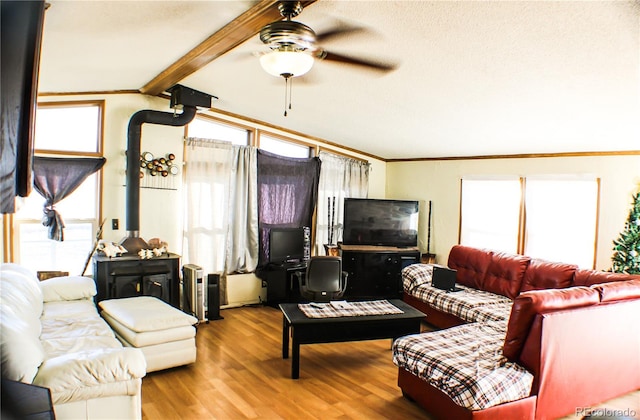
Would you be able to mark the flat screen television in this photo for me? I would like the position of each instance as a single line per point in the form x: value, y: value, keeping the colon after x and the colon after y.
x: 380, y: 222
x: 286, y: 245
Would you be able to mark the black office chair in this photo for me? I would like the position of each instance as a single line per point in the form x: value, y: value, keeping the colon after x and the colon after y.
x: 324, y: 279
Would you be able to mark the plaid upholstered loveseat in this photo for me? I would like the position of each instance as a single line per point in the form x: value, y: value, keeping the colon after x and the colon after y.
x: 526, y: 338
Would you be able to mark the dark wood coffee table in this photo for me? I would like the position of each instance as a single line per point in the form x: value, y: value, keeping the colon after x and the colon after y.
x: 304, y: 330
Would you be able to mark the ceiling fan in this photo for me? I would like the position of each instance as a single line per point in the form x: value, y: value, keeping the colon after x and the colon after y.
x: 294, y: 45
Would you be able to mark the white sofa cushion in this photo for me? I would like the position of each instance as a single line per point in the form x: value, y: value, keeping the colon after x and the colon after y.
x: 146, y: 313
x: 149, y: 338
x: 73, y: 309
x: 58, y: 346
x: 21, y: 290
x: 68, y: 328
x: 91, y: 373
x: 20, y: 309
x: 67, y: 288
x: 20, y: 349
x: 7, y: 267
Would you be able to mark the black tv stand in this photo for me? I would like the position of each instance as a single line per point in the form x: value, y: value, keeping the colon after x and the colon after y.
x: 281, y: 282
x: 374, y: 271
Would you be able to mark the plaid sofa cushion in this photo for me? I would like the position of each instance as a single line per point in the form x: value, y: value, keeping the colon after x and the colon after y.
x: 463, y: 304
x: 495, y: 312
x: 416, y: 275
x: 466, y: 363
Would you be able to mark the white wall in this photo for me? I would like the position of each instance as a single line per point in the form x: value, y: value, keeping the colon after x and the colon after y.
x: 439, y: 181
x: 160, y: 209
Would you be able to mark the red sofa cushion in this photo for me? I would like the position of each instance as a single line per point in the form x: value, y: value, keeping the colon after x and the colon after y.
x: 619, y: 290
x: 505, y: 273
x: 528, y: 304
x: 471, y: 264
x: 548, y: 275
x: 590, y: 277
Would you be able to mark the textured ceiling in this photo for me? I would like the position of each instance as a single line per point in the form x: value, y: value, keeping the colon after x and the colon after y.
x: 473, y: 77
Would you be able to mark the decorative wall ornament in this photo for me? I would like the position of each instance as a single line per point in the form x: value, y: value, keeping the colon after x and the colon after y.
x: 158, y: 172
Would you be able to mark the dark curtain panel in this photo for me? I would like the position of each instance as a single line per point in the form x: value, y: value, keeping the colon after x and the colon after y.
x: 287, y: 194
x: 55, y: 179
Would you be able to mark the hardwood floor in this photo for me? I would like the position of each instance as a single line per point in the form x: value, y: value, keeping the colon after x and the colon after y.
x: 240, y: 374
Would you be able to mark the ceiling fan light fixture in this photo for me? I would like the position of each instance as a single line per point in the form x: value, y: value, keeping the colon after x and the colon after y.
x: 290, y: 63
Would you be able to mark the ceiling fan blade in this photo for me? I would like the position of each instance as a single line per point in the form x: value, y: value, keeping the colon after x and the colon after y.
x: 339, y: 31
x: 338, y: 58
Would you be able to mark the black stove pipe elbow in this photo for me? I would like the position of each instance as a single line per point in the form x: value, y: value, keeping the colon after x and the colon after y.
x: 132, y: 188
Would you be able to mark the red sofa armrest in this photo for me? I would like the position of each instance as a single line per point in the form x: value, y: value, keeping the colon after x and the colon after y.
x: 619, y: 290
x: 528, y: 304
x: 591, y: 277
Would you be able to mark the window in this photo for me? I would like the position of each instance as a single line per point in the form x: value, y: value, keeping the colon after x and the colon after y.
x: 283, y: 147
x: 63, y: 130
x: 490, y: 213
x: 78, y: 125
x: 552, y: 218
x: 208, y: 128
x: 561, y: 219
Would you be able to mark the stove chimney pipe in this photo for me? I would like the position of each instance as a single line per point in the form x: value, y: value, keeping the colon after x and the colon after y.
x: 181, y: 97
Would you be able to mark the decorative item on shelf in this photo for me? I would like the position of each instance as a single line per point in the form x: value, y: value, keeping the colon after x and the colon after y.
x: 111, y: 249
x: 332, y: 227
x: 159, y: 247
x: 158, y: 243
x: 332, y: 250
x: 154, y: 169
x: 429, y: 258
x: 147, y: 254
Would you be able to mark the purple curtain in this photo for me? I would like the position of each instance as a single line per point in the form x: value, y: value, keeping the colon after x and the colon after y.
x: 55, y: 179
x: 287, y: 194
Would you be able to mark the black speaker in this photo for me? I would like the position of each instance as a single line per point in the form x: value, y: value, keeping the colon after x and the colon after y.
x: 307, y: 242
x: 213, y: 297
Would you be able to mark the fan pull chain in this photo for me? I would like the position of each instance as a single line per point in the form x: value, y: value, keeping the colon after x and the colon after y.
x: 290, y: 90
x: 287, y: 90
x: 286, y: 85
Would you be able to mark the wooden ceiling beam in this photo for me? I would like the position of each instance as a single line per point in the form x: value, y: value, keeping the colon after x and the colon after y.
x: 230, y: 36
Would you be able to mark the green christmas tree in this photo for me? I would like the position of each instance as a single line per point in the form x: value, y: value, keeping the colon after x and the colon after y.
x: 626, y: 255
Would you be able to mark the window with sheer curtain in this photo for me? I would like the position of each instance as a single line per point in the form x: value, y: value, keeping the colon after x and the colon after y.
x: 548, y: 217
x: 219, y: 201
x: 340, y: 177
x: 206, y: 190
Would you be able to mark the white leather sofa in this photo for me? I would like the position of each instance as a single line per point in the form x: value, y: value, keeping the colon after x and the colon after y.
x: 52, y: 336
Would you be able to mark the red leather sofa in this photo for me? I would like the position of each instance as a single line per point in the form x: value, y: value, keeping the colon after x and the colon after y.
x: 576, y: 331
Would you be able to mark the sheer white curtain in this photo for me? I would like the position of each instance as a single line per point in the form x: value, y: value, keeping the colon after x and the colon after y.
x: 242, y: 242
x: 340, y: 177
x: 221, y: 206
x: 207, y: 176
